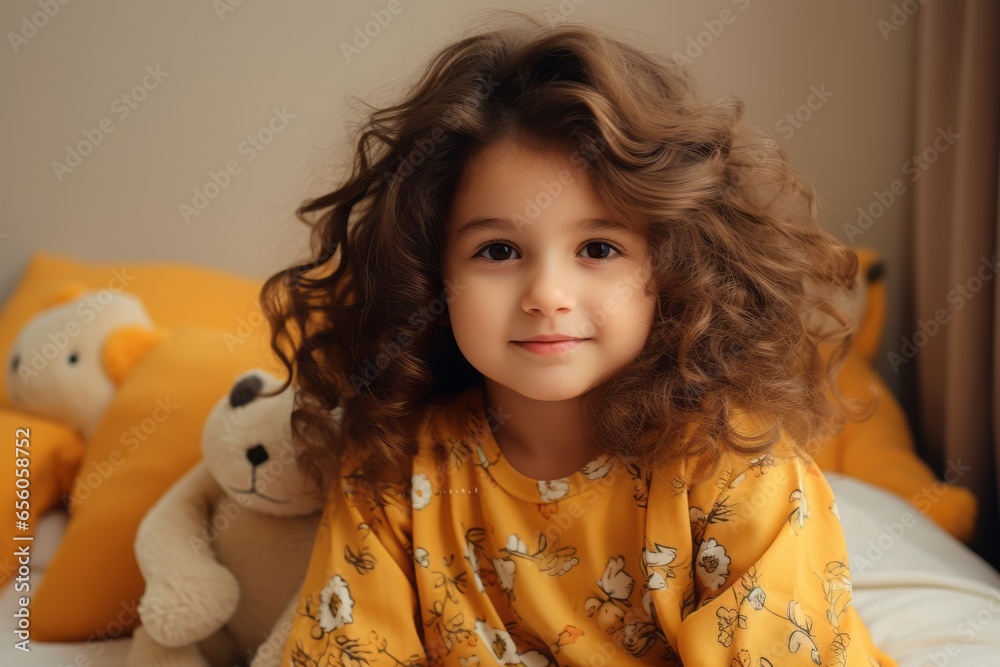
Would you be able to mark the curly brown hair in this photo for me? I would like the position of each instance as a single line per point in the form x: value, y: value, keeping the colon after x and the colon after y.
x: 741, y: 262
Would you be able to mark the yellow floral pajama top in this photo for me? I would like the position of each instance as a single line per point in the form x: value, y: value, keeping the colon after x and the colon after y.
x: 482, y: 565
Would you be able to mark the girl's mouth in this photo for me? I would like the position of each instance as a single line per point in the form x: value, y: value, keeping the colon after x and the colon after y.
x: 550, y: 347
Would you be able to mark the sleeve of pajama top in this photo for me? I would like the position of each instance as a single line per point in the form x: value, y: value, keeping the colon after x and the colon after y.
x: 771, y: 579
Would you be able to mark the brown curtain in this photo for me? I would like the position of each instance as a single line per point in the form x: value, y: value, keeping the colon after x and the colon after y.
x: 955, y: 250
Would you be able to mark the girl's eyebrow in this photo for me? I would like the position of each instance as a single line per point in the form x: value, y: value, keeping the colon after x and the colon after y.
x: 504, y: 224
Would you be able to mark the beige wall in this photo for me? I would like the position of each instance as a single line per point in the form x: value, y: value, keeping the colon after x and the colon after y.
x: 225, y: 67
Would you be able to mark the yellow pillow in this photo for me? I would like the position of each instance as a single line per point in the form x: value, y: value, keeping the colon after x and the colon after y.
x: 882, y: 450
x: 175, y: 294
x: 150, y: 436
x: 51, y: 453
x: 215, y: 332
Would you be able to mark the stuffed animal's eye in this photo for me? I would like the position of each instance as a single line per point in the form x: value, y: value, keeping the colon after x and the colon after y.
x: 15, y: 362
x: 73, y: 358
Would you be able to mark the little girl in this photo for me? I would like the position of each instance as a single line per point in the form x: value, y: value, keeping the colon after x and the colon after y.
x: 582, y: 326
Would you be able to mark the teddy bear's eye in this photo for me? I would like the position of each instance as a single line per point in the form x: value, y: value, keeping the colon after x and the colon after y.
x: 73, y: 358
x: 15, y: 362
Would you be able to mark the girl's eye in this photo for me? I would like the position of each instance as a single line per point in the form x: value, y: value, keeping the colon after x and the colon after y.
x: 496, y: 251
x: 601, y: 248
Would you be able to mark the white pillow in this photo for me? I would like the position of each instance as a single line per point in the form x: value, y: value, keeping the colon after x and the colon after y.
x: 927, y: 599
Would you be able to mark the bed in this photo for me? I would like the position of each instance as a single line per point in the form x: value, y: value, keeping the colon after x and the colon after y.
x: 926, y: 597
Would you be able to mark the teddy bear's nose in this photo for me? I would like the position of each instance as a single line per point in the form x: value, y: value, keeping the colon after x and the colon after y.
x: 257, y: 455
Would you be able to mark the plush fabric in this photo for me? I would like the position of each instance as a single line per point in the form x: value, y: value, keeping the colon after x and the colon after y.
x: 175, y: 295
x: 149, y: 436
x: 69, y: 359
x: 226, y: 597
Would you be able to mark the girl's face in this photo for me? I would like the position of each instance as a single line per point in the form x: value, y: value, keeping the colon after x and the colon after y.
x: 528, y: 254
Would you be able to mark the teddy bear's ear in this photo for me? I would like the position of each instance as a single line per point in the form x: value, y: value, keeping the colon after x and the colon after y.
x: 125, y: 347
x: 871, y: 327
x: 65, y: 294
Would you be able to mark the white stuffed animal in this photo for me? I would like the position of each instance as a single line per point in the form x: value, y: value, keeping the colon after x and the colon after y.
x: 68, y: 361
x: 225, y: 550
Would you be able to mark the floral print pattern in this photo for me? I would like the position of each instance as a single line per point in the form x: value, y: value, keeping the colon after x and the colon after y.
x: 505, y: 569
x: 798, y: 516
x: 599, y: 467
x: 362, y: 561
x: 420, y: 492
x: 551, y: 559
x: 335, y: 605
x: 486, y: 567
x: 616, y: 586
x: 470, y: 555
x: 712, y: 564
x: 553, y: 489
x: 499, y: 644
x: 658, y: 566
x: 752, y: 598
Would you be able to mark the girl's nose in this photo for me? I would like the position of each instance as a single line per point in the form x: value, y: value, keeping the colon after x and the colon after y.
x: 548, y: 290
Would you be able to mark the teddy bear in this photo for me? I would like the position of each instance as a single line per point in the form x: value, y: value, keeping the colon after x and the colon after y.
x: 881, y: 449
x: 68, y: 360
x: 225, y: 550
